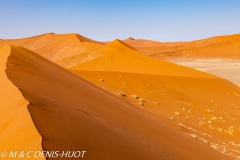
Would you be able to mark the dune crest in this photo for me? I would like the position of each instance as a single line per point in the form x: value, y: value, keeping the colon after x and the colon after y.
x: 122, y: 58
x: 18, y: 132
x: 214, y: 47
x: 64, y: 49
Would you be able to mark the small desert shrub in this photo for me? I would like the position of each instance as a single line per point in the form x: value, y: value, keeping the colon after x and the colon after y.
x: 121, y: 94
x: 156, y: 102
x: 229, y: 132
x: 124, y: 83
x: 210, y: 122
x: 135, y: 96
x: 177, y: 113
x: 140, y: 100
x: 220, y: 129
x: 214, y: 118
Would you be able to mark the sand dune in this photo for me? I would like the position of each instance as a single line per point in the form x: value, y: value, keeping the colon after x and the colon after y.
x: 122, y: 58
x: 214, y: 47
x: 18, y: 132
x: 126, y: 71
x: 114, y: 102
x: 195, y: 99
x: 64, y: 49
x: 71, y: 114
x: 150, y: 47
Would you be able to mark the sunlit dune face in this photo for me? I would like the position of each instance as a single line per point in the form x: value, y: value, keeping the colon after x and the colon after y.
x: 207, y: 113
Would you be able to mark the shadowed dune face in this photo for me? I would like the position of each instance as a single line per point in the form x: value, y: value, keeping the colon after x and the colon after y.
x: 73, y: 114
x: 17, y: 131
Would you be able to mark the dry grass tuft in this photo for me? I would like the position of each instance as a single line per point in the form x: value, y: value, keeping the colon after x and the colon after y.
x: 135, y: 96
x: 121, y: 94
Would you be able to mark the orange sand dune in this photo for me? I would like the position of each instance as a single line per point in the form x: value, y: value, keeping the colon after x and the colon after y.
x: 172, y: 90
x: 61, y: 48
x: 17, y: 131
x: 149, y: 47
x: 208, y: 107
x: 71, y: 113
x: 214, y: 47
x: 123, y: 58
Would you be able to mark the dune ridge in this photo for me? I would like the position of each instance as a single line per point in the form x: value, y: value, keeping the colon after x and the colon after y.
x: 18, y: 132
x: 71, y: 113
x: 121, y: 57
x: 213, y: 47
x: 59, y: 47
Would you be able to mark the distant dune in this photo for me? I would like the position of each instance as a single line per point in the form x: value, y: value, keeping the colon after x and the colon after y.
x: 67, y: 93
x: 123, y: 58
x: 215, y: 47
x: 65, y: 49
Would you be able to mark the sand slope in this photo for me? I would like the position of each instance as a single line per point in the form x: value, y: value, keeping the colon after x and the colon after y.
x: 215, y: 47
x: 73, y: 114
x: 209, y: 107
x: 149, y: 47
x: 17, y: 131
x: 123, y: 58
x: 60, y: 48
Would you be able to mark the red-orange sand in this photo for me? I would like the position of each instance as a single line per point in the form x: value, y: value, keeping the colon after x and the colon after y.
x: 113, y: 102
x: 214, y: 47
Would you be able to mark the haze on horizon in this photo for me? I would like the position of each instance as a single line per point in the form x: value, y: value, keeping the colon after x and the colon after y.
x: 175, y: 20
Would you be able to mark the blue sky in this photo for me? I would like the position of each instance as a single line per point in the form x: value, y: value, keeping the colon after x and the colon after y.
x: 103, y: 20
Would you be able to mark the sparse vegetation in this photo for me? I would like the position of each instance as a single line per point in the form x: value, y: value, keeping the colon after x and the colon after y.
x: 121, y: 94
x: 135, y: 96
x: 156, y: 102
x: 177, y: 113
x: 220, y: 129
x: 210, y: 122
x: 141, y: 100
